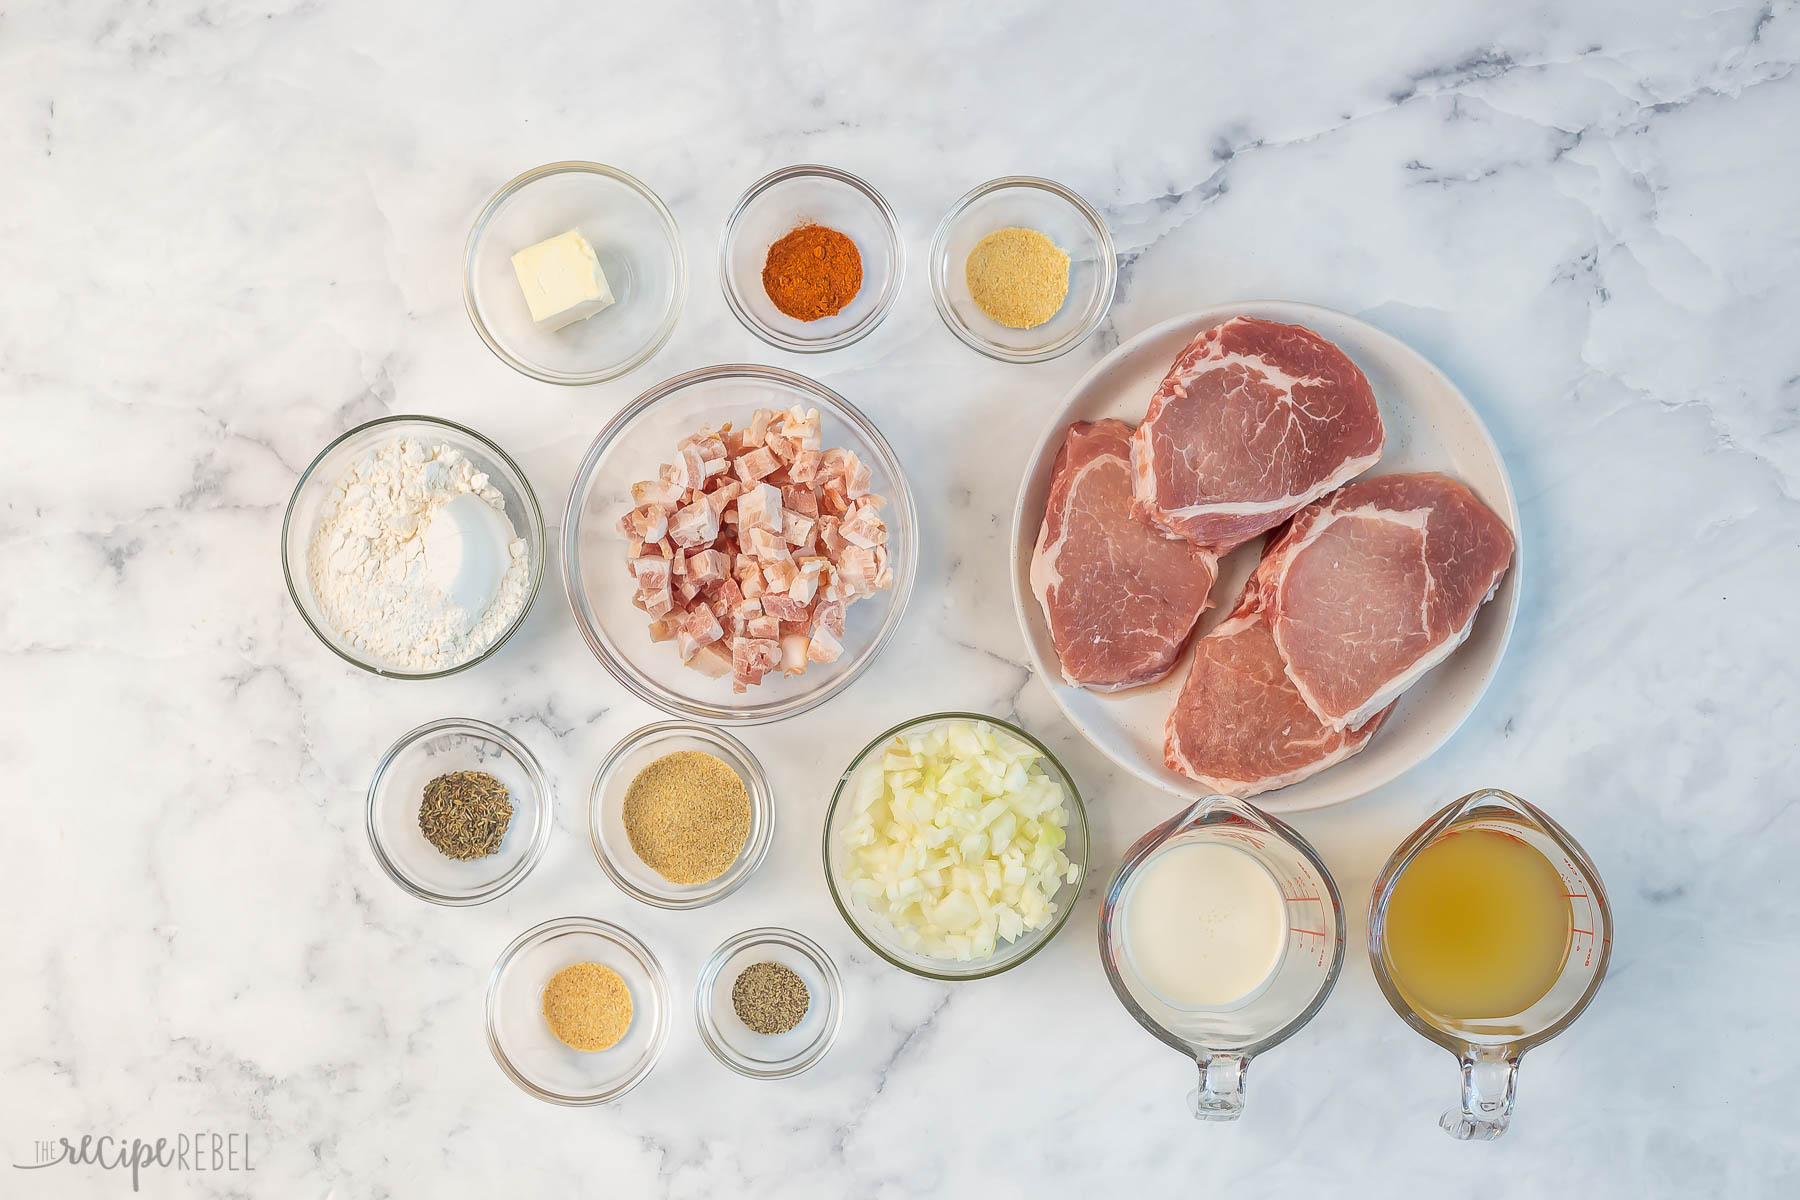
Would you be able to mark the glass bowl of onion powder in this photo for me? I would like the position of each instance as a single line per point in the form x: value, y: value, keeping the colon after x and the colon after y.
x: 769, y: 1003
x: 1022, y: 269
x: 680, y: 815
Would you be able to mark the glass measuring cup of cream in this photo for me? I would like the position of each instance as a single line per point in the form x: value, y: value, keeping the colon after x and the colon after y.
x: 1222, y: 934
x: 1489, y: 932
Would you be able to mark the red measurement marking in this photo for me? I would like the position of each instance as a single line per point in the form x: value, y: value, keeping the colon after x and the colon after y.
x: 1589, y: 932
x: 1313, y: 932
x: 1576, y: 895
x: 1299, y: 899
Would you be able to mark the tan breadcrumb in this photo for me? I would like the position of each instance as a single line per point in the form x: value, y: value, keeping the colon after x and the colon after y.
x: 688, y: 816
x: 1018, y: 276
x: 588, y: 1006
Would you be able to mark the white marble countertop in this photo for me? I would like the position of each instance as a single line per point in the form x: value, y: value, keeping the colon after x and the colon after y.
x: 229, y: 232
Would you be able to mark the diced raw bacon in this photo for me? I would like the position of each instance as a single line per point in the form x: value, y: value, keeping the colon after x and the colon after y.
x: 713, y: 660
x: 824, y: 646
x: 699, y: 628
x: 747, y: 550
x: 767, y: 545
x: 806, y: 579
x: 863, y: 528
x: 695, y: 525
x: 829, y: 616
x: 784, y: 606
x: 803, y: 426
x: 831, y: 540
x: 647, y: 523
x: 793, y: 654
x: 805, y: 467
x: 856, y: 475
x: 652, y: 572
x: 858, y: 570
x: 755, y: 464
x: 656, y: 492
x: 780, y: 575
x: 751, y: 659
x: 759, y: 507
x: 721, y: 497
x: 800, y: 499
x: 796, y: 530
x: 707, y: 566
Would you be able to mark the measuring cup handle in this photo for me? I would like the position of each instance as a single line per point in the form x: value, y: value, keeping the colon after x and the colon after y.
x: 1489, y: 1079
x: 1220, y: 1096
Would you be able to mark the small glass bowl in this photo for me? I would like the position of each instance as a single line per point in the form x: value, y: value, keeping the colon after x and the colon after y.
x: 769, y: 1055
x: 639, y: 247
x: 1067, y: 220
x: 321, y: 476
x: 880, y: 936
x: 599, y: 586
x: 606, y: 814
x: 520, y: 1038
x: 456, y: 744
x: 783, y: 201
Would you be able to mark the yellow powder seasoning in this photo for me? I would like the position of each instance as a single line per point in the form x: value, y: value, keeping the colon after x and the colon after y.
x: 587, y: 1006
x: 688, y: 816
x: 1018, y: 277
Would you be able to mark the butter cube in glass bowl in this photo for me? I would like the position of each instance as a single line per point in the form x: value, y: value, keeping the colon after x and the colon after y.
x: 566, y: 335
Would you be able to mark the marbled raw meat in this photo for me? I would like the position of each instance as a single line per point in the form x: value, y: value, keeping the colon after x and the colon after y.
x: 1239, y: 727
x: 1254, y: 421
x: 1120, y: 597
x: 1376, y: 584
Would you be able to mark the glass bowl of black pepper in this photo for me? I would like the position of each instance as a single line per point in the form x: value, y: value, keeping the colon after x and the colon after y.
x: 768, y: 1003
x: 459, y: 812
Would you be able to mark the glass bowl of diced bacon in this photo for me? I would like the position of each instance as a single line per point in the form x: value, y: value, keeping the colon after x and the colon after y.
x: 739, y: 544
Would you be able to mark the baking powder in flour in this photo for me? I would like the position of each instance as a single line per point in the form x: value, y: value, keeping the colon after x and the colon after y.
x: 380, y: 588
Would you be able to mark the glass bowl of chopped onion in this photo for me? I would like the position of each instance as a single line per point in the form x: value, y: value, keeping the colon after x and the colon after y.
x: 1024, y: 203
x: 600, y: 557
x: 955, y: 846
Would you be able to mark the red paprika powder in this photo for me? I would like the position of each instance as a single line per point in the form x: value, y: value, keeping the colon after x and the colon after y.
x: 812, y: 272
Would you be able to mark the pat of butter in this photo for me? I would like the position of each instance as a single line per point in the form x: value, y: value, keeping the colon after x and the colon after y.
x: 562, y: 280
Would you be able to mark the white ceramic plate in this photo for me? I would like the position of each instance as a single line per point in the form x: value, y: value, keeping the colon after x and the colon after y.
x: 1430, y: 427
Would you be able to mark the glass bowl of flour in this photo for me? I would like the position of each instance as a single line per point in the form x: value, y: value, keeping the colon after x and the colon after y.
x: 413, y: 547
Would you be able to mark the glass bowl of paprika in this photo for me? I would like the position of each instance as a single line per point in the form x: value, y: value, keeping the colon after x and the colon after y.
x: 811, y: 259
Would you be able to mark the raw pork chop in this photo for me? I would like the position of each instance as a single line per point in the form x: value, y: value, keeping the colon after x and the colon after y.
x: 1120, y: 597
x: 1373, y: 586
x: 1238, y: 726
x: 1253, y: 422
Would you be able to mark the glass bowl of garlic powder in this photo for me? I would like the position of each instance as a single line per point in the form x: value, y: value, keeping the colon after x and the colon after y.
x: 413, y: 547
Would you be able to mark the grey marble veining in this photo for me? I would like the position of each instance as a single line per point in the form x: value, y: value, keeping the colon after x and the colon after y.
x: 228, y: 232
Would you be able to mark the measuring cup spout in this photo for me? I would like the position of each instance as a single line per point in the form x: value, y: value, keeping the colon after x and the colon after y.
x: 1220, y: 1096
x: 1490, y: 1077
x: 1217, y: 807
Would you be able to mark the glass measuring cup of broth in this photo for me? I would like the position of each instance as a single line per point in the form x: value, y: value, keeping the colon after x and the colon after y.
x: 1222, y: 934
x: 1489, y: 932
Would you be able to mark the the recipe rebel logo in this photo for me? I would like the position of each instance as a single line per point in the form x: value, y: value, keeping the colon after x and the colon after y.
x: 207, y: 1150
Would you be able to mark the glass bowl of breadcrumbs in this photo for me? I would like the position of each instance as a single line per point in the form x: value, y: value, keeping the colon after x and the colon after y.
x: 680, y: 815
x: 1044, y: 317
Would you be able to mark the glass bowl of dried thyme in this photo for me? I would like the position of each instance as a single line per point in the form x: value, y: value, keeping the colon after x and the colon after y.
x: 680, y: 815
x: 769, y: 1003
x: 459, y: 812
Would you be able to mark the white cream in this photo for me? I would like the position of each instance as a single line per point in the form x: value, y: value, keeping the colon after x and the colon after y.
x: 1205, y: 924
x: 562, y: 280
x: 466, y: 546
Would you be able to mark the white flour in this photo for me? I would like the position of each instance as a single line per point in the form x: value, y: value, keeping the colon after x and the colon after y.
x: 368, y: 564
